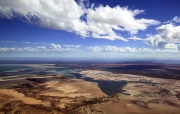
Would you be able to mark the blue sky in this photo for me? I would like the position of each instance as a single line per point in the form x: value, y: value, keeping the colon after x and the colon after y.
x: 134, y: 29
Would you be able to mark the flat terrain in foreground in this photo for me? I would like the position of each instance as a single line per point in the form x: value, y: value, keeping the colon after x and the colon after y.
x: 83, y: 89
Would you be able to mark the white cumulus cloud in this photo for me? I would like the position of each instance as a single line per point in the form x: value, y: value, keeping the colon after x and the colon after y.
x: 176, y: 19
x: 55, y: 14
x: 83, y: 19
x: 168, y: 36
x: 119, y: 18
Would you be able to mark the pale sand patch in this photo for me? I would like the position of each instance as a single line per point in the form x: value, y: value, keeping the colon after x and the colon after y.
x: 21, y: 97
x: 125, y: 107
x: 164, y: 109
x: 122, y: 107
x: 67, y: 89
x: 105, y: 75
x: 72, y: 88
x: 72, y: 95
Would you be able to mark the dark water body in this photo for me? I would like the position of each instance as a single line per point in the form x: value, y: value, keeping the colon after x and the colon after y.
x: 9, y: 67
x: 109, y: 87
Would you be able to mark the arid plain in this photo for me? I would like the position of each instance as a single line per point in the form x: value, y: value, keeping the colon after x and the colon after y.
x: 130, y: 88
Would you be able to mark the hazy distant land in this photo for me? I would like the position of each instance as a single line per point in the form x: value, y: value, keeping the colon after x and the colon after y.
x: 90, y: 88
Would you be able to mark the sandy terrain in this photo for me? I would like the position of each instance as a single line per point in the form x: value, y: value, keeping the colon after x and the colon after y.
x: 73, y: 88
x: 14, y: 95
x: 145, y: 94
x: 52, y: 94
